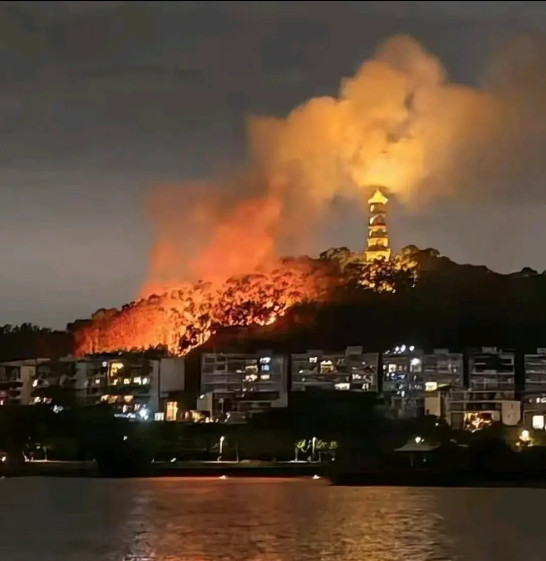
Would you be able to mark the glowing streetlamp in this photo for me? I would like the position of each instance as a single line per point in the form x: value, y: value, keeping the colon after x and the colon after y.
x: 221, y: 446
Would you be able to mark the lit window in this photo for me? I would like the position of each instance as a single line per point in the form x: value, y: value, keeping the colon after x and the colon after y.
x: 342, y: 386
x: 326, y: 367
x: 115, y: 368
x: 172, y: 411
x: 538, y: 422
x: 145, y: 381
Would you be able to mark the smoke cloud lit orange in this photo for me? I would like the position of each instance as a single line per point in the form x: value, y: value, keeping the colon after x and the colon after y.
x: 398, y: 122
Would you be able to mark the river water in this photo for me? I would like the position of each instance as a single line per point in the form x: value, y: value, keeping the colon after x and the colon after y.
x: 264, y: 520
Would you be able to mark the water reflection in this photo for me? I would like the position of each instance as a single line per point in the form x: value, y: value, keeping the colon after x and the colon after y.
x: 262, y: 520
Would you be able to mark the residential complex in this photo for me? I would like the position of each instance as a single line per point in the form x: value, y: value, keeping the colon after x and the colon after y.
x: 469, y: 390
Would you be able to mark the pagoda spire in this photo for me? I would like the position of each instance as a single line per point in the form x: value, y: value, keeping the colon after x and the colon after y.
x: 378, y: 236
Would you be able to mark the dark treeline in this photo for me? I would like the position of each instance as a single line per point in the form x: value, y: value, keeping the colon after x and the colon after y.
x: 451, y: 306
x: 27, y: 341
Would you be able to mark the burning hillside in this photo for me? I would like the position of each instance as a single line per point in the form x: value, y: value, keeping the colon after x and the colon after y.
x: 398, y: 122
x: 182, y: 319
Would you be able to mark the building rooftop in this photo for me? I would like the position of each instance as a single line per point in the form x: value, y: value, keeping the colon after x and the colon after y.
x: 378, y: 198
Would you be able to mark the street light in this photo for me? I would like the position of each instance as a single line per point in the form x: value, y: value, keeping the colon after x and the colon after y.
x: 222, y: 438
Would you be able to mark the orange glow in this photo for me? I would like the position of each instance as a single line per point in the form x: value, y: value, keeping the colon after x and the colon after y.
x: 185, y: 318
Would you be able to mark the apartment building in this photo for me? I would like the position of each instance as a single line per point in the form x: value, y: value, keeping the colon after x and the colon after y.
x: 442, y: 369
x: 138, y: 387
x: 350, y: 370
x: 443, y: 374
x: 16, y: 379
x: 490, y: 396
x: 492, y: 369
x: 403, y: 383
x: 135, y: 386
x: 63, y: 381
x: 535, y: 371
x: 534, y: 395
x: 242, y: 383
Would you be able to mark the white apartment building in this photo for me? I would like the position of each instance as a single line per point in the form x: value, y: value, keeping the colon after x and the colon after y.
x: 351, y: 370
x: 489, y: 398
x: 138, y: 387
x: 134, y: 385
x: 242, y: 383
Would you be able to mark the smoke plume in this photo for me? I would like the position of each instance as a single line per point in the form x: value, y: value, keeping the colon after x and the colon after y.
x: 398, y: 122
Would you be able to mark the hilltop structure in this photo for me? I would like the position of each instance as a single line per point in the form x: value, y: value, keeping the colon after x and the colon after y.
x: 378, y: 238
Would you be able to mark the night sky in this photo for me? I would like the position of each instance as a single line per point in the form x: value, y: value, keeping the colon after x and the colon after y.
x: 99, y: 101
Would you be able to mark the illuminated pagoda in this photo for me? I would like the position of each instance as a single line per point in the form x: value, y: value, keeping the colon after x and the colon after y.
x: 378, y: 237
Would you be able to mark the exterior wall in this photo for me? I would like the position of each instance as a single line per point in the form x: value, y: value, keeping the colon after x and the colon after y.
x: 171, y: 375
x: 511, y: 412
x: 26, y: 376
x: 433, y: 404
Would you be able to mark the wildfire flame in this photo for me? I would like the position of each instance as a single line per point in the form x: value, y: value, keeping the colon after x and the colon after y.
x: 185, y: 318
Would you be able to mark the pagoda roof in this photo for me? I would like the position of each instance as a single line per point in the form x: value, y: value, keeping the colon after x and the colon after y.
x: 378, y: 198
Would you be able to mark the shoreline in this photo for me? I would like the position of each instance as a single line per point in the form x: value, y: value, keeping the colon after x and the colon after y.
x: 284, y: 470
x: 180, y: 469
